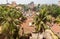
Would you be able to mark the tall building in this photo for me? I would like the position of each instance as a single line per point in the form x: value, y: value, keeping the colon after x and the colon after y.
x: 31, y: 5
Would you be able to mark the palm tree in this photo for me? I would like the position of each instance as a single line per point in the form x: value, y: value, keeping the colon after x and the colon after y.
x: 10, y: 21
x: 46, y: 14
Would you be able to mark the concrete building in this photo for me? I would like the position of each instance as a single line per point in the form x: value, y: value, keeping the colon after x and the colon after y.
x: 31, y: 5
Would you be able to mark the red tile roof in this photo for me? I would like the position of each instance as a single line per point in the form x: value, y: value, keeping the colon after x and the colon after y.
x: 26, y: 27
x: 56, y: 28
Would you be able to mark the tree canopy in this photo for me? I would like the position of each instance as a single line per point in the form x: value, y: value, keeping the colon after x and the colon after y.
x: 47, y: 13
x: 10, y: 20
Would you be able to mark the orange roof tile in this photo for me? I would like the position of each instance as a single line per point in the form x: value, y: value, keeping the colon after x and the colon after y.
x: 26, y: 27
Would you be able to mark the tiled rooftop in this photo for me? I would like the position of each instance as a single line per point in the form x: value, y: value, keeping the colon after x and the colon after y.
x: 56, y: 28
x: 27, y: 28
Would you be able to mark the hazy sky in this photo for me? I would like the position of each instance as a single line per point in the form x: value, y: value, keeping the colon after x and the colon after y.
x: 28, y: 1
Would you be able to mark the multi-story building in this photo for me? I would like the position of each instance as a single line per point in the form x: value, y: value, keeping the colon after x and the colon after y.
x: 31, y: 5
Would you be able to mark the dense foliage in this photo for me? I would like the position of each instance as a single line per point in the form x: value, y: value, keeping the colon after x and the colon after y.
x: 47, y: 13
x: 10, y: 20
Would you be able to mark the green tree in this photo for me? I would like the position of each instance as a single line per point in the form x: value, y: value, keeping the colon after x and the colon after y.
x: 46, y: 14
x: 10, y: 20
x: 37, y: 8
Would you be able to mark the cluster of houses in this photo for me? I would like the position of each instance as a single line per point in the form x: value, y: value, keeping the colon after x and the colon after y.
x: 30, y: 13
x: 27, y: 24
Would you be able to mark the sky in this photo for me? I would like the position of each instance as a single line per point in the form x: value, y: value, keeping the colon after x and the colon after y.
x: 28, y: 1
